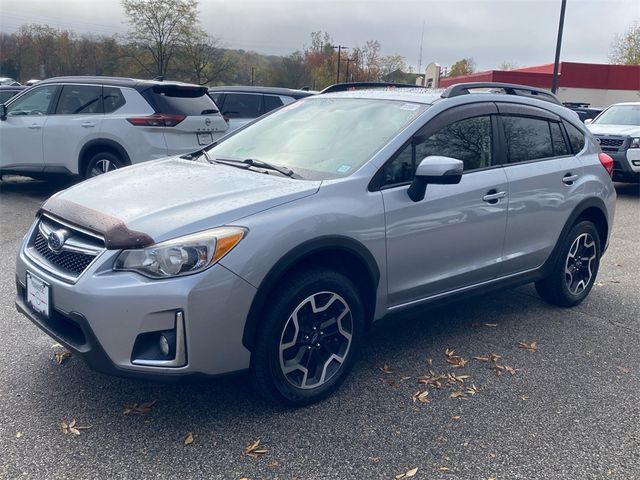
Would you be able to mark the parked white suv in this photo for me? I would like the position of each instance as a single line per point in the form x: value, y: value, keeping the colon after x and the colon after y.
x: 90, y: 125
x: 617, y: 130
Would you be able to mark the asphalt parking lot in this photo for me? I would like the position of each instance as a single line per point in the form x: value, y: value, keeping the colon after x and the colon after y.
x: 570, y: 410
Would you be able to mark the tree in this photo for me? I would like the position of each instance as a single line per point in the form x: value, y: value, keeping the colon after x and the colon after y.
x: 464, y: 66
x: 506, y: 65
x: 201, y: 59
x: 158, y: 29
x: 626, y: 47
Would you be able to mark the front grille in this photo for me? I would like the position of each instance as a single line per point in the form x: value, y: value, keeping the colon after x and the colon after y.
x: 610, y: 142
x: 79, y: 248
x: 69, y: 262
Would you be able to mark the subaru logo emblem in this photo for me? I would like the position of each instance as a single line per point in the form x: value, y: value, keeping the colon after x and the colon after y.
x: 56, y: 240
x: 207, y: 121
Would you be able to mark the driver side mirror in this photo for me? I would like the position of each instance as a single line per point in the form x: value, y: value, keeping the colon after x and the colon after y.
x: 3, y: 112
x: 436, y: 170
x: 588, y: 121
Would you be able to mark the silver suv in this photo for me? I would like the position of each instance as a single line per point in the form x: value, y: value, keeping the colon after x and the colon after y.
x: 275, y: 249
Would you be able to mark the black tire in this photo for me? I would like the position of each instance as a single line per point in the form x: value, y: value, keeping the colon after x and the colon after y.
x: 103, y: 162
x: 572, y: 277
x: 336, y: 294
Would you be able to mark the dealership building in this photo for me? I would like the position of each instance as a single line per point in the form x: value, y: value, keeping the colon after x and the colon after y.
x: 597, y: 84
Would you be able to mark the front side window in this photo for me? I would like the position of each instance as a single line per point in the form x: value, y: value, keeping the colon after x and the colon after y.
x: 468, y: 140
x: 527, y: 138
x: 34, y: 102
x: 80, y: 99
x: 242, y: 105
x: 321, y: 138
x: 271, y: 102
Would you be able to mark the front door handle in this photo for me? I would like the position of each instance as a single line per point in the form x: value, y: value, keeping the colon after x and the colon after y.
x: 569, y: 178
x: 493, y: 196
x: 88, y: 124
x: 35, y: 126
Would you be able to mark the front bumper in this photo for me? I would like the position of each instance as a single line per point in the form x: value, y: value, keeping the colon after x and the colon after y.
x: 100, y: 316
x: 624, y: 164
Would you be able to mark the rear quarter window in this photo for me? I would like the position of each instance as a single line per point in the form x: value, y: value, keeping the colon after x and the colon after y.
x: 113, y: 99
x: 180, y: 100
x: 576, y: 137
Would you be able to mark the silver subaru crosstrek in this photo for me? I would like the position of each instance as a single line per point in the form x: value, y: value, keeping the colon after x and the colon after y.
x: 275, y: 248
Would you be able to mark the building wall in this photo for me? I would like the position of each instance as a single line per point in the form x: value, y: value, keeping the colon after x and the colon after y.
x: 597, y: 97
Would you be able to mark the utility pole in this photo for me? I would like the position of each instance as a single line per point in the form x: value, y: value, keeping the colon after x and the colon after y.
x: 340, y: 48
x: 421, y: 42
x: 346, y: 74
x: 556, y: 64
x: 252, y: 69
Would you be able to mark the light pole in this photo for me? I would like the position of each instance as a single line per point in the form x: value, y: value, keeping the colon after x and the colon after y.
x: 556, y: 64
x: 340, y: 48
x: 346, y: 74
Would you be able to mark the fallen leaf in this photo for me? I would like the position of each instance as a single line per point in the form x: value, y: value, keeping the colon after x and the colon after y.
x: 409, y: 473
x: 188, y: 438
x: 472, y: 390
x: 18, y: 434
x: 524, y: 397
x: 421, y: 396
x: 598, y: 283
x: 56, y: 345
x: 490, y: 324
x: 60, y: 357
x: 386, y: 369
x: 71, y: 428
x: 457, y: 362
x: 492, y: 455
x: 430, y: 361
x: 624, y: 370
x: 453, y: 378
x: 273, y: 464
x: 402, y: 379
x: 482, y: 359
x: 511, y: 370
x: 449, y: 353
x: 457, y: 394
x: 465, y: 444
x: 456, y: 417
x: 494, y: 357
x: 530, y: 346
x: 251, y: 449
x: 374, y: 459
x: 138, y: 409
x: 444, y: 469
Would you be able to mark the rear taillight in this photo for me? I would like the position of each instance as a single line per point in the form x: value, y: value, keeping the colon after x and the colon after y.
x: 157, y: 120
x: 226, y: 119
x: 607, y: 162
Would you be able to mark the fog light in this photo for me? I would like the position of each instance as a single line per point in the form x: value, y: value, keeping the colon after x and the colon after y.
x: 636, y: 163
x: 164, y: 345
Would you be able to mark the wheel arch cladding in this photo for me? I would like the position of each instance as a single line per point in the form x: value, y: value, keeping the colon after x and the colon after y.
x: 342, y: 254
x: 100, y: 145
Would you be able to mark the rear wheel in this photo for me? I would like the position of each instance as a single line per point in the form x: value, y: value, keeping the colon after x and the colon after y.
x: 103, y: 162
x: 309, y: 339
x: 575, y: 269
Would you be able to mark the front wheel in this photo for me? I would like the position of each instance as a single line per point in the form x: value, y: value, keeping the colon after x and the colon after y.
x: 309, y: 339
x: 575, y: 269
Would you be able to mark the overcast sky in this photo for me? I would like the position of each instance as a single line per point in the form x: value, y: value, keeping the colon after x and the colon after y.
x: 491, y: 31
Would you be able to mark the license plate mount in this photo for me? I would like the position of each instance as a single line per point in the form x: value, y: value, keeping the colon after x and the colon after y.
x: 38, y: 295
x: 204, y: 138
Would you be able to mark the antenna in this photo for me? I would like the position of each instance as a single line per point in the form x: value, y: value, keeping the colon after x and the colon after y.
x: 421, y: 41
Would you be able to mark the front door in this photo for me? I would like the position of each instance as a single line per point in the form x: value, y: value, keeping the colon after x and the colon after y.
x: 21, y: 133
x: 454, y: 237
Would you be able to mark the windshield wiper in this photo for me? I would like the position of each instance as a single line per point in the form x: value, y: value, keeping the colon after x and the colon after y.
x: 250, y: 162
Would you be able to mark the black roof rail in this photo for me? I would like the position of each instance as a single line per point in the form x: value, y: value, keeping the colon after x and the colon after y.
x: 343, y: 87
x: 509, y: 88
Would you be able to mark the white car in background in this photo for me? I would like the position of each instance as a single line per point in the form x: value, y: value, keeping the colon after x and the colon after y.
x: 617, y: 130
x: 240, y: 105
x: 90, y: 125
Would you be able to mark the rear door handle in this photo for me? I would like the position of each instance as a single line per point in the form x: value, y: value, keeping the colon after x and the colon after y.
x: 569, y: 178
x: 88, y: 124
x: 35, y: 126
x: 493, y: 196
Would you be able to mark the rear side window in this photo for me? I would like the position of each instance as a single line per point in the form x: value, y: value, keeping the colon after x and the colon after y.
x: 113, y: 99
x: 7, y: 94
x: 80, y: 99
x: 180, y: 100
x: 576, y: 138
x: 559, y: 145
x: 271, y: 102
x: 527, y: 138
x: 242, y: 105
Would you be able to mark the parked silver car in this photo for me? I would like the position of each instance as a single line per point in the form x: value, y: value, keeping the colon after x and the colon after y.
x: 275, y: 249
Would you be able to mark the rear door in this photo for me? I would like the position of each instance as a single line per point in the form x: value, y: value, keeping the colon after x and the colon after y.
x: 240, y: 108
x: 453, y: 238
x: 76, y: 120
x: 21, y: 146
x: 545, y: 183
x: 191, y: 118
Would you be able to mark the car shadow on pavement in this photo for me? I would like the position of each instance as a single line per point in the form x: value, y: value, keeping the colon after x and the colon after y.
x: 34, y: 188
x: 631, y: 190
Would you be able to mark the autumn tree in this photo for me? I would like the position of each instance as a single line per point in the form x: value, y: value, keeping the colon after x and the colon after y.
x: 626, y: 47
x: 158, y: 30
x: 506, y: 65
x: 464, y: 66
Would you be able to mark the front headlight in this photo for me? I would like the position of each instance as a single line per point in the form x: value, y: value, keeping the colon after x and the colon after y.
x: 635, y: 142
x: 183, y: 255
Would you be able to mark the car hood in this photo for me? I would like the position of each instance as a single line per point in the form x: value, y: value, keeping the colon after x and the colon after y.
x: 154, y: 201
x: 632, y: 130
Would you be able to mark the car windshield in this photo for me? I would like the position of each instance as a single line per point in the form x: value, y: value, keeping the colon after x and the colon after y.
x: 620, y: 115
x: 321, y: 138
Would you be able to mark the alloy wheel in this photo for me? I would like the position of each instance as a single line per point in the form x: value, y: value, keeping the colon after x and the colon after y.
x: 103, y: 165
x: 316, y: 340
x: 580, y: 263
